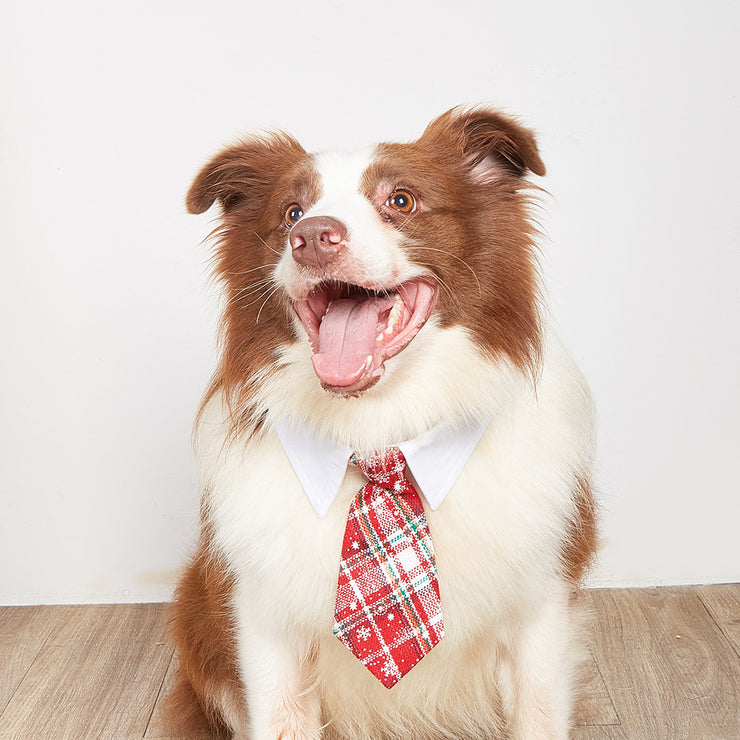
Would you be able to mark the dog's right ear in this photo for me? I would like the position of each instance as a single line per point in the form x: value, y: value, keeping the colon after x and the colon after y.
x: 243, y: 174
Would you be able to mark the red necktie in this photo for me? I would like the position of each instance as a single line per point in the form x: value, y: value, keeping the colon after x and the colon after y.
x: 388, y: 609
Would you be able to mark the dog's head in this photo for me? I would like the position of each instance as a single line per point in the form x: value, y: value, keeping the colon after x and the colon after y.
x: 354, y: 253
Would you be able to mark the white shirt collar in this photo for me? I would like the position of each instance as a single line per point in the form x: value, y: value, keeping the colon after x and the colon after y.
x: 435, y: 459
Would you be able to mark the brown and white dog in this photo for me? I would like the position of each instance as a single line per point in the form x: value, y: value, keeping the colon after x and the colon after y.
x: 372, y: 299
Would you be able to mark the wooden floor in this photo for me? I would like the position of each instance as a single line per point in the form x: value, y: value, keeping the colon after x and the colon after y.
x: 665, y: 665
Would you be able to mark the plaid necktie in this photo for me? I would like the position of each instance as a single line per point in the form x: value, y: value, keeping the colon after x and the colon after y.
x: 388, y: 608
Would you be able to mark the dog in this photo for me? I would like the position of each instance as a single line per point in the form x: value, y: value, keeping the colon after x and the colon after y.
x: 388, y: 298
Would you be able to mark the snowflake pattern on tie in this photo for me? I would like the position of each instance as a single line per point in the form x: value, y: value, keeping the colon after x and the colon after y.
x: 388, y: 610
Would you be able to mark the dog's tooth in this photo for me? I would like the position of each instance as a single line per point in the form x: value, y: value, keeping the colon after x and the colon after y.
x: 369, y: 362
x: 393, y: 317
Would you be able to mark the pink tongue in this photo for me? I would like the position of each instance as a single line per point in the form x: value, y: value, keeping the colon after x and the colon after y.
x: 347, y: 337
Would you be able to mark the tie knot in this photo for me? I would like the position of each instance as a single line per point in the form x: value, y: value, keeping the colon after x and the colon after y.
x: 384, y: 469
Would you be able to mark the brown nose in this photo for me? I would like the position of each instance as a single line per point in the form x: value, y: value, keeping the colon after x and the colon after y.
x: 318, y: 240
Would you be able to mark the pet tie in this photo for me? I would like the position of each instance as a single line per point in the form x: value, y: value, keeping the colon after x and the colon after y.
x: 388, y: 610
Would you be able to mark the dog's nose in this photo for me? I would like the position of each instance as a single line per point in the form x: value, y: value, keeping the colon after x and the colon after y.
x: 318, y: 240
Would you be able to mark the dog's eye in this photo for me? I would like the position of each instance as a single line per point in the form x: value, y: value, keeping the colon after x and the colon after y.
x: 402, y: 201
x: 292, y: 214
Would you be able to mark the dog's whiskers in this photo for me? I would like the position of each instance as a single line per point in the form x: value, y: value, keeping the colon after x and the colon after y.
x: 251, y: 289
x: 454, y: 256
x: 269, y: 295
x: 267, y: 245
x: 442, y: 284
x: 254, y: 269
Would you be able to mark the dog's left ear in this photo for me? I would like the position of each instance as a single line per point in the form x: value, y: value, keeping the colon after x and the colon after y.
x: 489, y: 142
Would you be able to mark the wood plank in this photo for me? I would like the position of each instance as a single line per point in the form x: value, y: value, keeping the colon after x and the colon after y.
x: 594, y: 705
x: 23, y: 632
x: 598, y: 732
x: 157, y: 727
x: 97, y: 676
x: 666, y: 665
x: 723, y: 603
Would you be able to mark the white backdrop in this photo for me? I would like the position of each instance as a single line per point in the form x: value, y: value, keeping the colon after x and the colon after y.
x: 108, y: 319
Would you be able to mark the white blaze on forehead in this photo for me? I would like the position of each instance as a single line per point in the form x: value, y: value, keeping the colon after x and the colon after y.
x: 341, y: 176
x: 374, y: 255
x: 375, y: 247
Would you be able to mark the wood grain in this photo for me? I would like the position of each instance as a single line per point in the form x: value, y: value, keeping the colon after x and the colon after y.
x: 23, y: 633
x: 722, y: 601
x: 666, y: 665
x: 98, y: 675
x: 599, y: 732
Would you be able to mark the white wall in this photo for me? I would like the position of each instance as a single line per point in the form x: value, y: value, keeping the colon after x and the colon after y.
x: 107, y: 317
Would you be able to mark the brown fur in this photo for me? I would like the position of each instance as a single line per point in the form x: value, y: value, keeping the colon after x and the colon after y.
x: 202, y: 629
x: 581, y: 544
x: 242, y: 179
x: 503, y: 316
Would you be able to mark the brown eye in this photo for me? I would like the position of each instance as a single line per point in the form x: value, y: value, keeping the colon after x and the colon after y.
x: 402, y: 201
x: 292, y: 214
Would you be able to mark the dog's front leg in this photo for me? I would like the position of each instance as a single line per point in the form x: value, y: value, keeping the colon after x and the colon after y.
x: 282, y: 701
x: 538, y: 692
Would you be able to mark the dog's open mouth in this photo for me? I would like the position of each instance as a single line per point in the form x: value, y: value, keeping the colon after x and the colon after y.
x: 354, y: 330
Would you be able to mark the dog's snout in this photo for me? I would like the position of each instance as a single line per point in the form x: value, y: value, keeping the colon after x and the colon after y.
x: 318, y: 240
